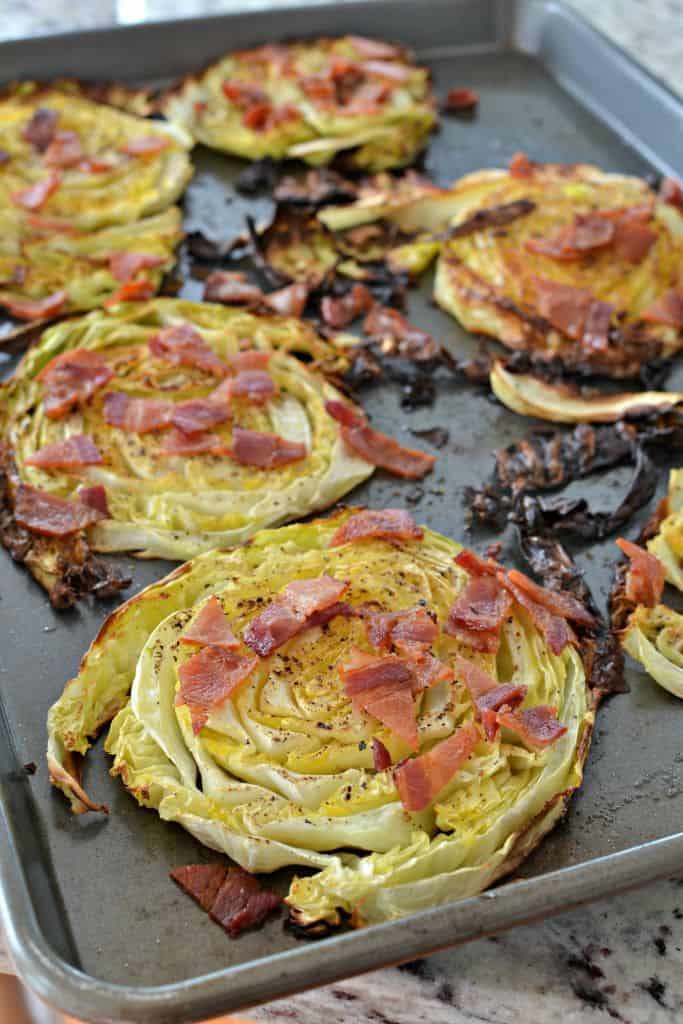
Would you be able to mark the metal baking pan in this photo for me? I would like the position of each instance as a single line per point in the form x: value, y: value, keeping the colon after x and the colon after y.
x: 92, y: 920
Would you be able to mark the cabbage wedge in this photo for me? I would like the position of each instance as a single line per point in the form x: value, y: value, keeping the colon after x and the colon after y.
x: 654, y: 637
x: 667, y: 544
x: 285, y: 766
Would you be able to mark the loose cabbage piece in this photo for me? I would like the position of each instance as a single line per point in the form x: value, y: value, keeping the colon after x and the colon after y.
x: 531, y: 396
x: 286, y: 766
x: 667, y: 544
x: 310, y: 100
x: 654, y: 637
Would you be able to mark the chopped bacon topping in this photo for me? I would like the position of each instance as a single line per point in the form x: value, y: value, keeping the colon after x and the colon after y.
x: 252, y: 386
x: 388, y: 70
x: 65, y: 150
x: 200, y: 881
x: 36, y: 309
x: 587, y: 233
x: 198, y: 414
x: 289, y: 301
x: 49, y: 515
x: 558, y: 603
x: 633, y: 240
x: 645, y: 577
x: 71, y: 378
x: 72, y: 453
x: 367, y: 671
x: 293, y: 611
x: 264, y: 450
x: 374, y: 49
x: 670, y: 191
x: 419, y: 780
x: 392, y: 704
x: 487, y: 695
x: 385, y: 524
x: 211, y: 628
x: 146, y: 145
x: 243, y: 94
x: 380, y: 755
x: 537, y: 727
x: 231, y: 288
x: 182, y: 345
x: 475, y: 565
x: 521, y: 166
x: 241, y: 902
x: 555, y: 629
x: 35, y: 196
x: 125, y: 265
x: 384, y: 452
x: 460, y: 99
x: 95, y: 497
x: 428, y: 670
x: 339, y: 312
x: 486, y: 641
x: 208, y: 678
x: 41, y: 129
x: 666, y: 309
x: 136, y: 415
x: 176, y: 442
x: 258, y: 116
x: 131, y: 291
x: 342, y: 412
x: 382, y: 323
x: 484, y: 604
x: 414, y: 627
x: 249, y: 359
x: 574, y: 311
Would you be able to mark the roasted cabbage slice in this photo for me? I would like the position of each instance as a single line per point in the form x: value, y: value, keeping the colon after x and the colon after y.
x: 586, y: 275
x: 654, y: 637
x: 314, y: 100
x: 667, y: 544
x: 285, y: 765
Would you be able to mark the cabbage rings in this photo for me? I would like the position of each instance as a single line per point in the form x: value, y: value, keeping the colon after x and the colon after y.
x: 286, y: 767
x: 654, y: 637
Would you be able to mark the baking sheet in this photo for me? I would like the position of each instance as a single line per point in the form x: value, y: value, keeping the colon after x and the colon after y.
x: 93, y: 921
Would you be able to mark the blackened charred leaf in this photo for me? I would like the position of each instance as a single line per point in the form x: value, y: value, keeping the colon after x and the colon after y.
x: 260, y: 176
x: 206, y: 249
x: 295, y: 247
x: 490, y: 217
x: 603, y: 661
x: 438, y: 437
x: 314, y: 188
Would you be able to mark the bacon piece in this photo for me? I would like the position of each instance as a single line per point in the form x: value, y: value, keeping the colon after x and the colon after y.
x: 131, y: 291
x: 208, y: 679
x: 65, y: 150
x: 342, y: 412
x: 385, y: 524
x: 670, y: 191
x: 249, y: 359
x: 289, y: 301
x: 176, y: 442
x: 486, y: 641
x: 374, y: 49
x: 505, y: 696
x: 146, y: 145
x: 200, y: 881
x: 574, y: 311
x: 325, y: 615
x: 584, y: 235
x: 36, y: 309
x: 340, y: 312
x: 420, y: 779
x: 211, y: 628
x: 299, y: 606
x: 380, y: 755
x: 95, y: 166
x: 596, y: 325
x: 136, y: 415
x: 394, y: 73
x: 257, y: 116
x: 459, y: 99
x: 71, y: 378
x: 369, y: 97
x: 666, y: 309
x: 41, y: 128
x: 35, y: 196
x: 384, y: 452
x: 385, y: 323
x: 319, y: 89
x: 241, y: 902
x: 415, y: 626
x: 255, y: 386
x: 72, y: 453
x: 198, y: 414
x: 125, y: 265
x: 475, y: 565
x: 428, y: 670
x: 264, y: 450
x: 392, y: 704
x: 49, y: 515
x: 484, y: 604
x: 555, y: 629
x: 243, y: 94
x: 231, y: 288
x: 645, y: 577
x: 558, y: 603
x: 182, y: 345
x: 537, y: 727
x: 633, y: 240
x: 476, y: 679
x: 367, y: 671
x: 95, y: 497
x: 521, y: 166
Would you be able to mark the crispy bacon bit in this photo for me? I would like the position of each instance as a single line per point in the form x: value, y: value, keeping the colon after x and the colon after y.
x: 208, y: 679
x: 476, y: 679
x: 34, y: 197
x: 49, y: 515
x: 386, y: 324
x: 319, y: 89
x: 340, y: 312
x: 289, y: 301
x: 36, y: 309
x: 483, y: 605
x: 487, y: 695
x: 72, y: 453
x: 380, y: 755
x: 555, y: 629
x: 521, y: 166
x: 384, y: 452
x: 392, y: 704
x: 94, y: 166
x: 198, y: 414
x: 250, y: 359
x: 475, y: 565
x: 95, y: 497
x: 255, y: 386
x: 670, y: 191
x: 200, y: 881
x: 645, y: 577
x: 667, y: 309
x: 420, y: 779
x: 231, y: 288
x: 131, y: 291
x: 182, y: 345
x: 394, y: 73
x: 136, y: 415
x: 298, y: 607
x: 559, y: 604
x: 211, y: 628
x: 257, y: 116
x: 587, y: 233
x: 146, y: 145
x: 537, y: 727
x: 264, y: 450
x: 367, y: 672
x: 428, y: 670
x: 574, y: 311
x: 65, y: 150
x: 486, y: 641
x: 344, y: 413
x: 176, y: 442
x: 125, y: 265
x: 241, y: 902
x: 71, y: 378
x: 41, y: 129
x: 414, y: 628
x: 457, y: 100
x: 242, y: 94
x: 633, y: 240
x: 374, y: 49
x: 385, y: 524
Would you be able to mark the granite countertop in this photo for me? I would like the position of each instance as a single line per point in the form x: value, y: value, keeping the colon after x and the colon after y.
x: 620, y: 959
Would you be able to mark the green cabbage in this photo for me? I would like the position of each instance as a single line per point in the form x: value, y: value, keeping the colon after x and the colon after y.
x: 285, y: 768
x: 667, y: 545
x: 654, y: 637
